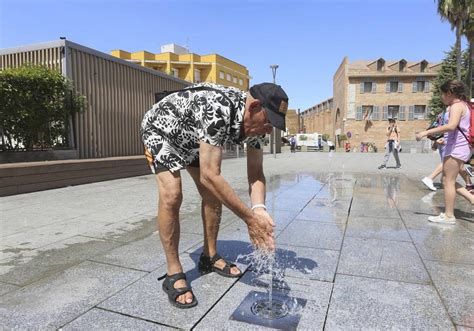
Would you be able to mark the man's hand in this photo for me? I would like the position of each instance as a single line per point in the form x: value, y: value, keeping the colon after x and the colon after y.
x: 260, y: 227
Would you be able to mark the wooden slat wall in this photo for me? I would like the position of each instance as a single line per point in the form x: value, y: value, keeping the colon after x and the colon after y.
x: 118, y: 95
x: 50, y: 57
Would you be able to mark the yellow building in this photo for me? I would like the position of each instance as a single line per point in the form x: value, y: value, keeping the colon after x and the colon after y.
x: 176, y: 61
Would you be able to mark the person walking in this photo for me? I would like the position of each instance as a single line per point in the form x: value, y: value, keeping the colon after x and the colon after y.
x: 187, y: 129
x: 293, y: 144
x: 457, y: 148
x: 392, y: 145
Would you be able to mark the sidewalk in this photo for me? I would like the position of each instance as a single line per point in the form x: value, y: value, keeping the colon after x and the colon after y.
x: 353, y: 240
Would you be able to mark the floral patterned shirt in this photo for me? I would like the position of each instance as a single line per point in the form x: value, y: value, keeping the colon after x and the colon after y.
x: 172, y: 128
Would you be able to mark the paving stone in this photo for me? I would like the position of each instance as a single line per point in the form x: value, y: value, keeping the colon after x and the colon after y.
x: 5, y: 288
x: 282, y: 218
x: 341, y: 206
x: 126, y: 230
x: 233, y: 242
x: 362, y: 303
x: 445, y: 243
x: 374, y: 258
x: 192, y: 222
x: 312, y: 316
x: 145, y: 298
x: 331, y: 192
x: 99, y: 319
x: 29, y: 266
x: 307, y: 263
x: 145, y: 254
x: 322, y: 214
x: 58, y: 299
x: 49, y: 234
x: 312, y: 234
x: 371, y: 208
x: 9, y: 253
x: 377, y: 228
x: 455, y: 285
x: 284, y: 203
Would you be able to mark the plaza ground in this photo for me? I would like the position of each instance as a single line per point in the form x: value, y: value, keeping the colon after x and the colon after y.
x: 354, y: 242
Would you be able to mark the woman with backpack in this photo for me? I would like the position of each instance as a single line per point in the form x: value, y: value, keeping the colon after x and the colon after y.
x: 457, y: 149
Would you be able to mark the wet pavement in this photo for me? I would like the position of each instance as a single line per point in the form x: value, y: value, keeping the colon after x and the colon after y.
x: 353, y: 244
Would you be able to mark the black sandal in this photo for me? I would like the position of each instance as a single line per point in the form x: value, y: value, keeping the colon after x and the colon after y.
x: 174, y: 293
x: 206, y: 265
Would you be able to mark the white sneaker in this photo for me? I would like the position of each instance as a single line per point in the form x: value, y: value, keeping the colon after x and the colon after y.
x: 442, y: 219
x: 429, y: 183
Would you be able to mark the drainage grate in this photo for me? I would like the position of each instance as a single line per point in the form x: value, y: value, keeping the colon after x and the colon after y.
x: 284, y: 312
x: 262, y: 308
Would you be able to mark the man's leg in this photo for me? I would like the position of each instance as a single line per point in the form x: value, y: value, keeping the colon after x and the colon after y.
x: 397, y: 159
x: 211, y: 212
x: 170, y: 198
x: 386, y: 156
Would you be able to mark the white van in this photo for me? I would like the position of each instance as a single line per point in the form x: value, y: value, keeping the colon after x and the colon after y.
x: 313, y: 141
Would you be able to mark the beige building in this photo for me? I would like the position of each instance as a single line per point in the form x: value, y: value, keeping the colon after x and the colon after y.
x: 368, y: 93
x: 319, y: 118
x: 292, y: 118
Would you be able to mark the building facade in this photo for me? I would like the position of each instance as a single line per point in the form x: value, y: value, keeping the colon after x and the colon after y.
x: 177, y: 61
x: 368, y: 93
x: 318, y: 118
x: 292, y: 122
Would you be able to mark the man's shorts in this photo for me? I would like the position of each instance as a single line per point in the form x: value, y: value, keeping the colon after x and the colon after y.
x: 157, y: 167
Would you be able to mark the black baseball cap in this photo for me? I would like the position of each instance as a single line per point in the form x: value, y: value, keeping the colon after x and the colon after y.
x: 273, y: 99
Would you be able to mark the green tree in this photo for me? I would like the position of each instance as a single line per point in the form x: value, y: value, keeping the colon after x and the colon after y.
x: 457, y: 13
x: 445, y: 73
x: 469, y: 33
x: 35, y: 107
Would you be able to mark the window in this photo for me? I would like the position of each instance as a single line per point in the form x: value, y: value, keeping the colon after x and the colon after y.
x: 197, y: 75
x: 175, y: 72
x: 393, y: 86
x: 420, y: 85
x: 380, y: 65
x: 393, y: 111
x: 235, y: 80
x: 221, y: 75
x: 367, y: 112
x: 419, y: 112
x: 367, y: 87
x: 229, y: 77
x: 241, y: 82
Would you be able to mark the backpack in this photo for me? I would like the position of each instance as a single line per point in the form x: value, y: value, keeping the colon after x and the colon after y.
x: 470, y: 136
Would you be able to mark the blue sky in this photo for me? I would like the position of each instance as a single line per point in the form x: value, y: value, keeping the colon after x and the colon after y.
x: 307, y: 39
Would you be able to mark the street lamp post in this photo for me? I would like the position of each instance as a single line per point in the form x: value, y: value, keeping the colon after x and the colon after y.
x: 274, y: 68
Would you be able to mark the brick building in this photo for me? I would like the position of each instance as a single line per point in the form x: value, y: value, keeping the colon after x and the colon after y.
x: 368, y: 93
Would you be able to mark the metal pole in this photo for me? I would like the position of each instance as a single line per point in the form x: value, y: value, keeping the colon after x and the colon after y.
x: 274, y: 68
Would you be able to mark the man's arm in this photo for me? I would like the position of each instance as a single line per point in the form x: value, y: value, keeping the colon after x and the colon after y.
x: 210, y: 160
x: 255, y: 176
x: 259, y: 223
